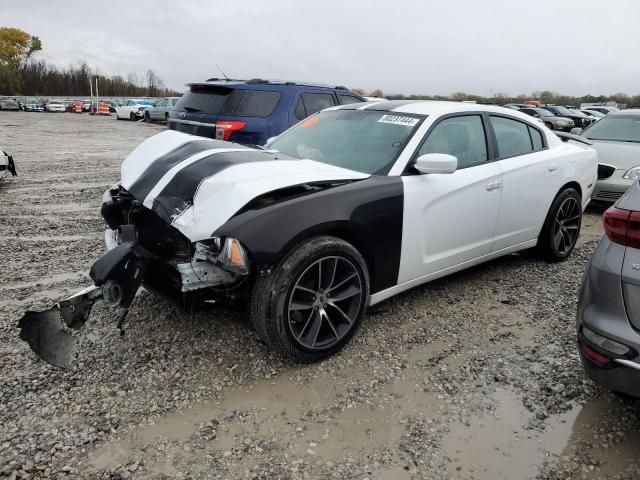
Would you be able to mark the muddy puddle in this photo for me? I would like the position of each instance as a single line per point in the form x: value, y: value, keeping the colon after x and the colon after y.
x: 306, y: 418
x: 314, y: 419
x: 498, y: 445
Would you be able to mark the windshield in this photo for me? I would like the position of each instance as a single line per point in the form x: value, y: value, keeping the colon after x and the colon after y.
x: 543, y: 112
x: 621, y: 128
x: 562, y: 110
x: 361, y: 140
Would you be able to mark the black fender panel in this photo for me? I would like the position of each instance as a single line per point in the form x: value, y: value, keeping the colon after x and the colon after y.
x: 367, y: 213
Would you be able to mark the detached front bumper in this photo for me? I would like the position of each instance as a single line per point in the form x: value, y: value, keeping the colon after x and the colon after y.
x: 117, y: 277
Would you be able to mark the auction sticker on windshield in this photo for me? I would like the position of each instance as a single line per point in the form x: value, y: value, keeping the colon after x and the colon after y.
x: 398, y: 120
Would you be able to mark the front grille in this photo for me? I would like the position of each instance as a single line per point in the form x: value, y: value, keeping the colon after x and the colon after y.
x: 609, y: 195
x: 605, y: 171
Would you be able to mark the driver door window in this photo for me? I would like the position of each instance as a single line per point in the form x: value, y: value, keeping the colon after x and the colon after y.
x: 463, y: 137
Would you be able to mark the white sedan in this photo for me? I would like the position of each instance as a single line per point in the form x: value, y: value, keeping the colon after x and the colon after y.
x: 351, y: 206
x: 133, y: 109
x: 54, y: 106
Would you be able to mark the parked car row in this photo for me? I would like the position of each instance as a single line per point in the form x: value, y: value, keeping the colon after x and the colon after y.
x: 555, y: 117
x: 53, y: 105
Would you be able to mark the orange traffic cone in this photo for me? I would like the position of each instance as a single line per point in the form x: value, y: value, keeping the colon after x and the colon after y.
x: 103, y: 109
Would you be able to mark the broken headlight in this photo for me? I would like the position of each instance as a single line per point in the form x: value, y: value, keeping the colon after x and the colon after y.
x: 227, y: 252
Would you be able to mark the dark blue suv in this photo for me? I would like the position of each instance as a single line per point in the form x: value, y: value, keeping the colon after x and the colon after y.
x: 251, y: 111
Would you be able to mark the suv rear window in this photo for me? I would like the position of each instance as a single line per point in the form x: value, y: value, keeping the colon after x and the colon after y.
x: 227, y: 101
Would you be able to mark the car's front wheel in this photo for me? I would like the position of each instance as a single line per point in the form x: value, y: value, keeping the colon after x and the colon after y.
x: 310, y: 306
x: 147, y: 117
x: 549, y: 125
x: 561, y: 227
x: 132, y: 117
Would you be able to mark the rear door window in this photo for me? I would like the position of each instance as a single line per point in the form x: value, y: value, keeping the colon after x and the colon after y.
x: 314, y: 102
x: 348, y: 99
x: 536, y: 139
x: 227, y: 101
x: 512, y: 136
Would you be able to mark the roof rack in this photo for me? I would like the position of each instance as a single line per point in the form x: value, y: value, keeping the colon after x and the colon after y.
x: 216, y: 79
x: 262, y: 81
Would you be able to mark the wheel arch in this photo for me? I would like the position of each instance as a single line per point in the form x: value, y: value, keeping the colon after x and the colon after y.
x: 572, y: 184
x: 342, y: 229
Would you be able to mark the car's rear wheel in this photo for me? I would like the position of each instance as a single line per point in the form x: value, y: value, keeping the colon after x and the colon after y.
x: 132, y: 117
x: 561, y: 227
x: 313, y: 302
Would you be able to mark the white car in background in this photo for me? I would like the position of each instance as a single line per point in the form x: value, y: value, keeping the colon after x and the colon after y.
x: 54, y: 106
x: 133, y: 109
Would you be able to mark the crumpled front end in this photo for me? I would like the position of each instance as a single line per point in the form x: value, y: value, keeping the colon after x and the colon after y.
x: 143, y: 249
x: 7, y: 165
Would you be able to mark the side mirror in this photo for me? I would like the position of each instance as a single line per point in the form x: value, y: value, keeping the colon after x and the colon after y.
x: 436, y: 163
x: 576, y: 131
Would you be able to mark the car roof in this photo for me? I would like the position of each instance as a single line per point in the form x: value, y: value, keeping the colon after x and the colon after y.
x: 431, y: 107
x: 264, y: 82
x: 629, y: 111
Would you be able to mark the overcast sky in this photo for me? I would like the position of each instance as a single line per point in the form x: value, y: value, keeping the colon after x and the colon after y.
x: 574, y: 47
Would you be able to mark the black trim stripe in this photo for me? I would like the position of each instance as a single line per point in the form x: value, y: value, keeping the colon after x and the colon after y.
x: 179, y: 193
x: 367, y: 213
x: 154, y: 172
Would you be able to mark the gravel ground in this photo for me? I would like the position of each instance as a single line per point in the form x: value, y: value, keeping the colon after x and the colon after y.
x: 472, y: 376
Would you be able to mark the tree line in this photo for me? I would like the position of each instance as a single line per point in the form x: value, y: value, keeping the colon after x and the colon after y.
x: 631, y: 101
x: 22, y: 74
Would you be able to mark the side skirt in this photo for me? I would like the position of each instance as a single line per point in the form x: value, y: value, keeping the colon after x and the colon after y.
x: 390, y: 292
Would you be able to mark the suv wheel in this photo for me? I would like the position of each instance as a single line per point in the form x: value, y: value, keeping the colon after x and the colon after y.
x: 313, y: 302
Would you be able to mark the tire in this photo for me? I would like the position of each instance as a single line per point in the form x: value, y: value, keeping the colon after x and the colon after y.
x: 301, y: 319
x: 147, y: 117
x: 166, y: 118
x: 132, y: 117
x: 549, y: 125
x: 561, y: 228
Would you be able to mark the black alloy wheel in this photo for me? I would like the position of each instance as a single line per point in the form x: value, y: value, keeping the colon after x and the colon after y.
x: 312, y: 303
x: 325, y: 302
x: 566, y: 225
x: 561, y: 228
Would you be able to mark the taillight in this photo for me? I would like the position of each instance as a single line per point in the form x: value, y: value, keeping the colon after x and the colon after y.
x: 622, y: 226
x: 225, y: 129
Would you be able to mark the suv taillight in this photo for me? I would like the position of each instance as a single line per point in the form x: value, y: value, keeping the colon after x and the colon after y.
x: 622, y: 226
x: 224, y: 129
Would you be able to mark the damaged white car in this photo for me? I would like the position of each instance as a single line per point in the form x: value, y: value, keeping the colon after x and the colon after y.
x: 7, y: 165
x: 348, y: 208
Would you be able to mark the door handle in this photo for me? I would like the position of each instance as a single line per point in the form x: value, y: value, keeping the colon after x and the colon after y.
x: 493, y: 186
x: 552, y: 168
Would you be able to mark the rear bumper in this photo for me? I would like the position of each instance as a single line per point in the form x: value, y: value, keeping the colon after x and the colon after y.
x: 601, y: 308
x: 620, y: 378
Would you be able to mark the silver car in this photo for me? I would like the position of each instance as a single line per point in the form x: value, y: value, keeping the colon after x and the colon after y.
x: 609, y: 302
x: 161, y: 111
x: 616, y: 137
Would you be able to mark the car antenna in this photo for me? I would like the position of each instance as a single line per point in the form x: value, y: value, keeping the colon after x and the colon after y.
x: 223, y: 74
